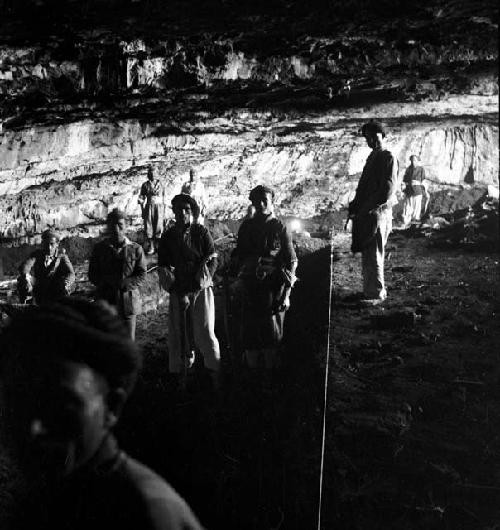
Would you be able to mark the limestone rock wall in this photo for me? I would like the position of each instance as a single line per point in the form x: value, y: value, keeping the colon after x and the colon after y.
x: 89, y: 99
x: 70, y: 175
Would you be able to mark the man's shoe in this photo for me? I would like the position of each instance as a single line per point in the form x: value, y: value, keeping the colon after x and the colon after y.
x: 371, y: 302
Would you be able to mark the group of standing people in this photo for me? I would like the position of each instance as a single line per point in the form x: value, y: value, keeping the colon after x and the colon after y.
x: 264, y: 259
x: 64, y: 383
x: 264, y: 264
x: 68, y: 365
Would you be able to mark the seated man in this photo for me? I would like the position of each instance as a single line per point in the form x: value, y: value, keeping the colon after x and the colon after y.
x: 117, y: 268
x: 63, y: 386
x: 47, y: 274
x: 187, y: 253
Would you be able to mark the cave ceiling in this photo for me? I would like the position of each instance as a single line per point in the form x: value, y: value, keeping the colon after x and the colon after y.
x: 216, y: 55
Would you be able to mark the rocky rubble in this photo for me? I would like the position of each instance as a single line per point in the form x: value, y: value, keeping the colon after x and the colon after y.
x: 475, y: 227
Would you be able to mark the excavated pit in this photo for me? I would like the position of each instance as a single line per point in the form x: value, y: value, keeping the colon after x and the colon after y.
x: 253, y: 93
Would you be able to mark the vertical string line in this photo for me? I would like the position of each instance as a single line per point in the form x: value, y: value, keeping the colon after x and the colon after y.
x: 325, y: 397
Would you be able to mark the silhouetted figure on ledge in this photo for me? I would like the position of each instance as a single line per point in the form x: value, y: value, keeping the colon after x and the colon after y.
x: 63, y: 388
x: 150, y: 200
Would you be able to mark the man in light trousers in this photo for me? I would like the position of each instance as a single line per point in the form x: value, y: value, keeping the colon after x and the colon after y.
x: 414, y: 190
x: 187, y: 260
x: 371, y: 213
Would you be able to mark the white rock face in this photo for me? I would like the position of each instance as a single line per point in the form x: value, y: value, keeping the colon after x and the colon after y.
x: 71, y: 174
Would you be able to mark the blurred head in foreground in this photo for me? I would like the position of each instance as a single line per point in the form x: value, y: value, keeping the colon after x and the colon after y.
x: 66, y: 369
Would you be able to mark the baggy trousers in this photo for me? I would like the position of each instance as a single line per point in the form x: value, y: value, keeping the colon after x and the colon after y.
x: 202, y: 318
x: 412, y: 209
x: 151, y: 220
x: 372, y: 259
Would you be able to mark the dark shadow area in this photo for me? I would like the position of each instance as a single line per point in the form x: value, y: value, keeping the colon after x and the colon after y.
x: 249, y: 458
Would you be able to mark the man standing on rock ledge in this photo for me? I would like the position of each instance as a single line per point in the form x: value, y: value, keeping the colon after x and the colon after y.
x: 118, y: 268
x: 195, y: 188
x: 414, y: 190
x: 371, y: 213
x: 149, y: 200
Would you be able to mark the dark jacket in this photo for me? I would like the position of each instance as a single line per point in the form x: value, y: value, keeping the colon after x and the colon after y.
x: 118, y: 273
x: 377, y: 184
x: 266, y: 239
x: 112, y: 491
x: 374, y: 197
x: 185, y: 252
x: 412, y: 177
x: 53, y: 278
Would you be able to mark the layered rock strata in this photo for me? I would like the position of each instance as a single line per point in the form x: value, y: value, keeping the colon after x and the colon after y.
x: 71, y: 174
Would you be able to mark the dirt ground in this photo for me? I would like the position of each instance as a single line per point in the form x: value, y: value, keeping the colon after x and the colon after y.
x: 413, y: 408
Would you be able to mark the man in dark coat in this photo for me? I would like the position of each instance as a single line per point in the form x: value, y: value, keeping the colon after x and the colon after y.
x: 186, y: 254
x: 371, y: 212
x: 63, y: 387
x: 47, y: 274
x: 117, y: 268
x: 266, y: 263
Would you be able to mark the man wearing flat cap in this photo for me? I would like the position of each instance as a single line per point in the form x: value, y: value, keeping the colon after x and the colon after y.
x: 47, y: 275
x: 266, y: 262
x: 371, y: 212
x: 117, y: 268
x: 63, y: 387
x: 187, y: 261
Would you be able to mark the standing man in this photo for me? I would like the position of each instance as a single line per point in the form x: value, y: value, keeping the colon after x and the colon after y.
x: 187, y: 252
x: 196, y: 189
x: 266, y: 262
x: 150, y: 201
x: 66, y: 370
x: 371, y: 212
x: 414, y: 189
x: 118, y: 268
x: 47, y: 274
